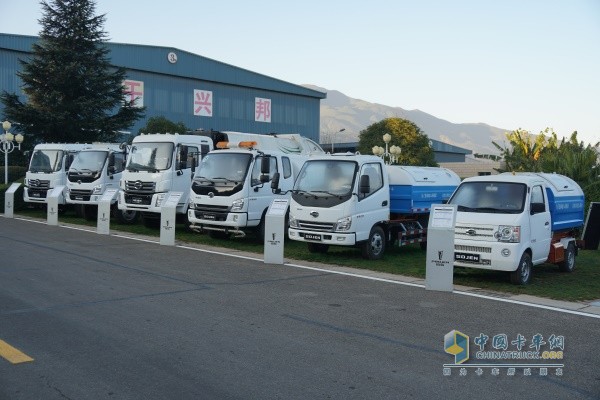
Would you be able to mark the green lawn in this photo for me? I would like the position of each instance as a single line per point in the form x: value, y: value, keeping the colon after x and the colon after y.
x: 547, y: 281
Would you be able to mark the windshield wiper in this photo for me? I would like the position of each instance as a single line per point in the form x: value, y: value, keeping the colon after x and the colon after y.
x: 225, y: 179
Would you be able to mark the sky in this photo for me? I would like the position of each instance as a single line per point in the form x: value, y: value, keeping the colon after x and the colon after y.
x: 528, y: 64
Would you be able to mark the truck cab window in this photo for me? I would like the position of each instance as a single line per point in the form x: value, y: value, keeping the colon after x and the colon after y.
x: 256, y: 170
x: 373, y: 171
x: 537, y: 195
x: 287, y: 167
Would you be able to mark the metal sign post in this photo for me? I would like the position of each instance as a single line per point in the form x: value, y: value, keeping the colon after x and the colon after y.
x: 103, y: 226
x: 168, y: 219
x: 439, y: 272
x: 275, y: 231
x: 9, y: 200
x: 52, y: 198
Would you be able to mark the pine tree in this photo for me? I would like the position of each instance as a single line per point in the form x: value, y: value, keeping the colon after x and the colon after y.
x: 73, y: 92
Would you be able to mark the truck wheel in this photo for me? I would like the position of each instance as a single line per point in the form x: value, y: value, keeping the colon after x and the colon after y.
x: 374, y: 247
x: 127, y: 217
x: 568, y: 264
x: 522, y: 275
x: 318, y: 248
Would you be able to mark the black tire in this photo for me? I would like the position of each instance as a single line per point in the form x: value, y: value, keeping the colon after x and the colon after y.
x: 126, y: 217
x: 522, y: 275
x: 568, y: 264
x: 374, y: 247
x: 317, y: 248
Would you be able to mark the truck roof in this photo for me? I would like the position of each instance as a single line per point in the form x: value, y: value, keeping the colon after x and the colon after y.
x: 60, y: 146
x: 557, y: 182
x: 171, y: 138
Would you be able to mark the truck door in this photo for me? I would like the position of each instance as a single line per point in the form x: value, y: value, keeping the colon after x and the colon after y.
x: 540, y: 224
x: 372, y: 207
x: 260, y: 194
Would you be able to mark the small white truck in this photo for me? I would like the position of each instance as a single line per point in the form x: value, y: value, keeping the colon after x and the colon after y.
x: 357, y: 200
x: 513, y: 221
x: 230, y: 193
x: 95, y: 168
x: 48, y: 169
x: 157, y: 165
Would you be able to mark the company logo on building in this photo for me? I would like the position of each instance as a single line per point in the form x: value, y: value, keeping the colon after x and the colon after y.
x: 457, y: 344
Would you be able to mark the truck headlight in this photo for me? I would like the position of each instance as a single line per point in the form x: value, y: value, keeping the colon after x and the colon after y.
x: 159, y: 199
x: 237, y: 205
x: 97, y: 189
x: 293, y: 222
x: 192, y: 205
x: 343, y: 224
x: 508, y: 233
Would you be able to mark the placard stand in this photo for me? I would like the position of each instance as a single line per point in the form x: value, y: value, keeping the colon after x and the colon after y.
x: 9, y: 200
x: 439, y: 272
x: 103, y: 226
x: 168, y: 219
x: 275, y: 231
x: 52, y: 203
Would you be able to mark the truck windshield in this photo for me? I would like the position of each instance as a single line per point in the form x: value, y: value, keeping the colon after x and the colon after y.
x: 326, y: 177
x: 151, y: 157
x: 89, y: 161
x: 485, y: 197
x: 229, y: 167
x: 46, y: 161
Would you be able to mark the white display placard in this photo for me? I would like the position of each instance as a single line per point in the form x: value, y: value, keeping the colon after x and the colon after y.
x: 439, y: 272
x: 9, y: 200
x: 109, y: 194
x: 278, y: 207
x: 442, y: 216
x: 173, y: 199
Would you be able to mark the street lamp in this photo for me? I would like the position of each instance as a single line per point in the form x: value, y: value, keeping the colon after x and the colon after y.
x: 333, y: 137
x: 392, y: 154
x: 8, y: 145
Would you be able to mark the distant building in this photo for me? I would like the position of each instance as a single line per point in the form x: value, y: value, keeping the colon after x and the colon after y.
x: 199, y: 92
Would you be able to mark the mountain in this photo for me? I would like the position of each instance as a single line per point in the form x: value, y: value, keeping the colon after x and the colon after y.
x: 340, y: 111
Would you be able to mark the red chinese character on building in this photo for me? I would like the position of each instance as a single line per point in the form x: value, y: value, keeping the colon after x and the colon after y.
x: 262, y: 109
x: 203, y: 105
x: 134, y: 92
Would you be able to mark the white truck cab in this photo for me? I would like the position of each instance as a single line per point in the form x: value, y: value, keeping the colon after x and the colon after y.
x: 96, y: 168
x: 230, y: 194
x: 48, y: 169
x: 157, y: 165
x: 513, y: 221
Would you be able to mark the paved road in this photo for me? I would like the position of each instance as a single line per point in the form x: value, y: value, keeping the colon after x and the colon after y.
x: 108, y: 318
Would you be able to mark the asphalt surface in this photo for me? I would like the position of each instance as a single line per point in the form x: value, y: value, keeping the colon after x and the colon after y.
x: 105, y: 317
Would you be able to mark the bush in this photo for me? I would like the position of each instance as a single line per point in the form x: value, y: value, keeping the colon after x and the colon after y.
x: 592, y: 194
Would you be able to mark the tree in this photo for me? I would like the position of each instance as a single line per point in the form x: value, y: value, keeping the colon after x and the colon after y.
x: 414, y: 144
x: 163, y: 125
x: 73, y: 93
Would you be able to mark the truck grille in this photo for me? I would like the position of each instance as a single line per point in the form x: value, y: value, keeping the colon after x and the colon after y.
x: 475, y: 232
x: 37, y: 193
x: 211, y: 212
x: 81, y: 195
x: 139, y: 186
x: 473, y: 249
x: 39, y: 184
x: 138, y: 199
x: 316, y: 226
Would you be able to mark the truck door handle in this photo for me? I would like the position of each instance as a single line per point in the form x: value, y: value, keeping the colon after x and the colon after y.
x: 384, y: 204
x: 547, y: 223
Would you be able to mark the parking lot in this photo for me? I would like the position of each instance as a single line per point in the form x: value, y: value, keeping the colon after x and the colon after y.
x: 126, y: 318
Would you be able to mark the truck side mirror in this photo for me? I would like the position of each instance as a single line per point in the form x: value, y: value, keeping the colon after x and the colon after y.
x: 275, y: 183
x: 537, y: 208
x: 365, y: 186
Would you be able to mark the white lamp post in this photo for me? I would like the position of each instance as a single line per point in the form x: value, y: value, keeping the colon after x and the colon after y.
x: 392, y: 154
x: 8, y: 145
x: 333, y: 137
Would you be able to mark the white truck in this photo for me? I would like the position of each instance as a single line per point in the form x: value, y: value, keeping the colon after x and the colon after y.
x: 357, y: 200
x: 48, y: 169
x: 95, y: 168
x: 513, y: 221
x: 157, y: 165
x: 230, y: 193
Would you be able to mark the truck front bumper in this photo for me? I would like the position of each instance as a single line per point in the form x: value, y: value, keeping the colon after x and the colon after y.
x: 498, y: 256
x: 331, y: 238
